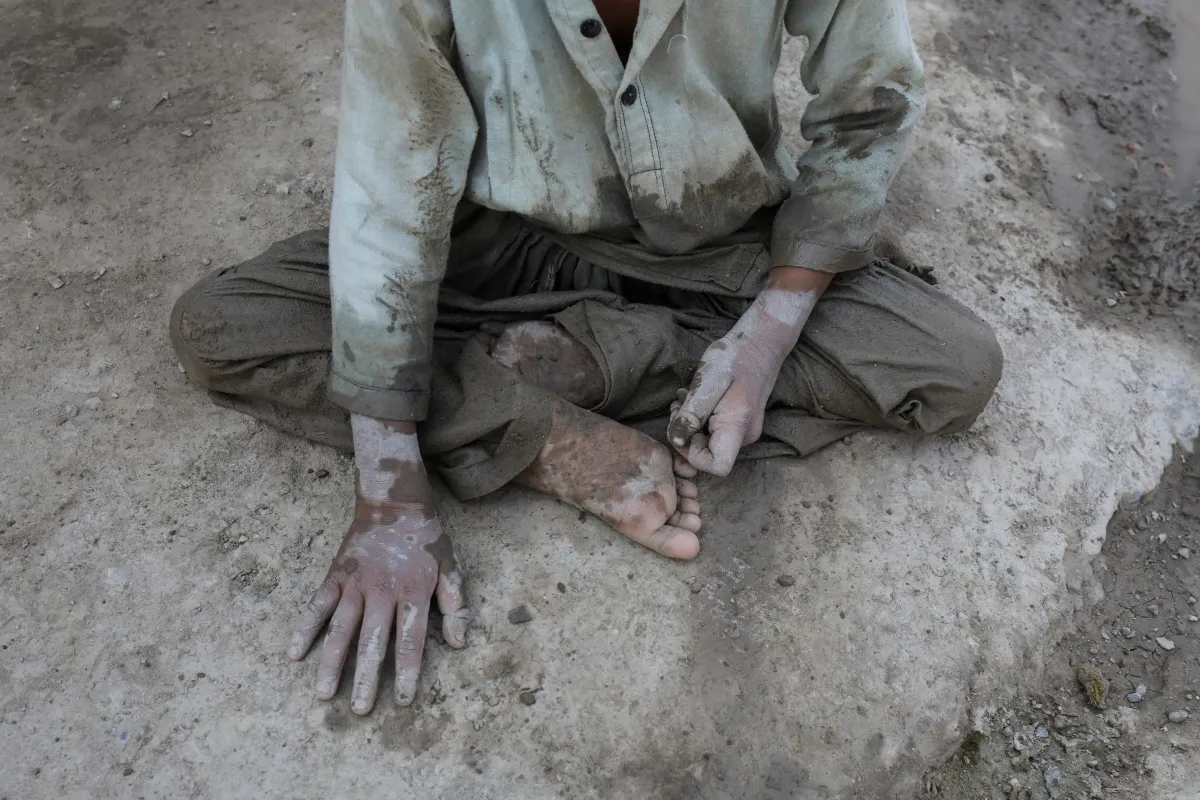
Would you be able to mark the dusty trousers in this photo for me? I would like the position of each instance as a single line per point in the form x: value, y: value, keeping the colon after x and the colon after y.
x: 882, y: 348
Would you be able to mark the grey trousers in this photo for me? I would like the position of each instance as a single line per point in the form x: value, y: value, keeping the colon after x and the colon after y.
x: 882, y: 349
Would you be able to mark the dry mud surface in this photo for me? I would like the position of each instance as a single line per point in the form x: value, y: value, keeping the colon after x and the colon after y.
x: 154, y: 548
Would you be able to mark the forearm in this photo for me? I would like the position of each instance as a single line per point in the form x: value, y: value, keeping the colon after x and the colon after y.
x: 778, y: 316
x: 868, y: 92
x: 405, y: 137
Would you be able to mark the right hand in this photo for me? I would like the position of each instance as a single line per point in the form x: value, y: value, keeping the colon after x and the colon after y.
x: 392, y: 561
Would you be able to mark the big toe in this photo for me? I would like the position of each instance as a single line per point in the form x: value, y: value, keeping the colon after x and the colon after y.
x: 674, y: 542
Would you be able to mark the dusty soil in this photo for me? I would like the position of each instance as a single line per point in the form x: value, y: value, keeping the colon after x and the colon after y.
x: 1083, y: 746
x: 1128, y: 79
x: 1126, y: 76
x: 153, y: 548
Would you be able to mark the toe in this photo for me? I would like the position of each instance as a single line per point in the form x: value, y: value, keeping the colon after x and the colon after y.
x: 686, y: 489
x: 689, y: 505
x: 682, y: 468
x: 674, y: 542
x: 688, y: 522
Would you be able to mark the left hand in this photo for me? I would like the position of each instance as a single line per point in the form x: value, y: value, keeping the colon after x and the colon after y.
x: 723, y: 409
x: 730, y: 389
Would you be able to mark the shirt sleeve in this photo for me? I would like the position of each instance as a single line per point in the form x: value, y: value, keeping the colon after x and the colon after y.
x: 405, y: 137
x: 869, y: 90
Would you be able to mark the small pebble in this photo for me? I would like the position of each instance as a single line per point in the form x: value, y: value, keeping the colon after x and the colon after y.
x: 527, y: 697
x: 1127, y: 632
x: 1184, y: 553
x: 283, y: 188
x: 1053, y: 779
x: 562, y: 587
x: 1109, y: 204
x: 206, y: 261
x: 520, y: 615
x: 989, y: 177
x: 55, y: 282
x: 786, y: 580
x: 187, y: 133
x: 1178, y: 717
x: 1041, y: 732
x: 322, y: 474
x: 114, y: 104
x: 1137, y: 695
x: 160, y: 54
x: 1165, y: 643
x: 1110, y: 302
x: 1162, y: 538
x: 1193, y: 618
x: 306, y: 142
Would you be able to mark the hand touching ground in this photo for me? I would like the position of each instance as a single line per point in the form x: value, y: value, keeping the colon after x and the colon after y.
x: 393, y: 560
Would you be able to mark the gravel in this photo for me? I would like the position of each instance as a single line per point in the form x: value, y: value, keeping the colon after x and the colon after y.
x: 520, y: 615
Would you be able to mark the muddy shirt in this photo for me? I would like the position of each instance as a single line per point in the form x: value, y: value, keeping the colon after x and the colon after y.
x: 525, y: 106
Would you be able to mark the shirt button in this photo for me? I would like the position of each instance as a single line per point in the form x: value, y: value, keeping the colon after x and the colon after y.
x: 591, y: 28
x: 629, y: 96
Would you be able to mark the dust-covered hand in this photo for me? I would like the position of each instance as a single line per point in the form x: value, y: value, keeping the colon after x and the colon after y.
x: 391, y: 563
x: 723, y: 408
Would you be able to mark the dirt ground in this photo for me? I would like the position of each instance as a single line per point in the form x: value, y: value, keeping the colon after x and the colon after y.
x: 153, y: 548
x: 1128, y: 94
x: 1122, y: 742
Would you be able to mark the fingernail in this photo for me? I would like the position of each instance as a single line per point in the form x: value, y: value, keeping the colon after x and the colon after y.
x: 294, y: 651
x: 360, y: 706
x: 405, y: 691
x: 325, y: 689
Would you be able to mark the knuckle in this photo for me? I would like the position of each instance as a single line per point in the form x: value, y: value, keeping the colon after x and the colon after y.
x: 339, y: 630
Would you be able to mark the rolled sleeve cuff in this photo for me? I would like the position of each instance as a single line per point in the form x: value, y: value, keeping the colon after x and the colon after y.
x: 382, y: 403
x: 819, y: 256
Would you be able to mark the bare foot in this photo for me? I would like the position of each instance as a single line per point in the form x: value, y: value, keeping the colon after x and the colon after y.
x: 547, y: 356
x: 623, y: 477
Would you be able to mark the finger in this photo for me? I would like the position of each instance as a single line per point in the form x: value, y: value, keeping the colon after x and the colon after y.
x: 452, y: 601
x: 724, y: 444
x: 683, y: 426
x: 711, y: 381
x: 682, y: 468
x: 372, y: 645
x: 410, y: 644
x: 342, y: 628
x: 320, y: 607
x: 698, y: 455
x: 688, y: 505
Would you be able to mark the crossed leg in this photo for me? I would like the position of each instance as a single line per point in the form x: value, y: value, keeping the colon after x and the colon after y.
x: 624, y: 477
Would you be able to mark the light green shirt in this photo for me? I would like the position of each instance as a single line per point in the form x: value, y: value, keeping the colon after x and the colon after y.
x: 511, y: 105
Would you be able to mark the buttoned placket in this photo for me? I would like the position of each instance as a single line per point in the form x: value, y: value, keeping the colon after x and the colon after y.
x: 621, y: 90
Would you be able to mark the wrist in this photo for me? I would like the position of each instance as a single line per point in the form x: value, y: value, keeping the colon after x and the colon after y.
x: 799, y: 279
x: 387, y: 456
